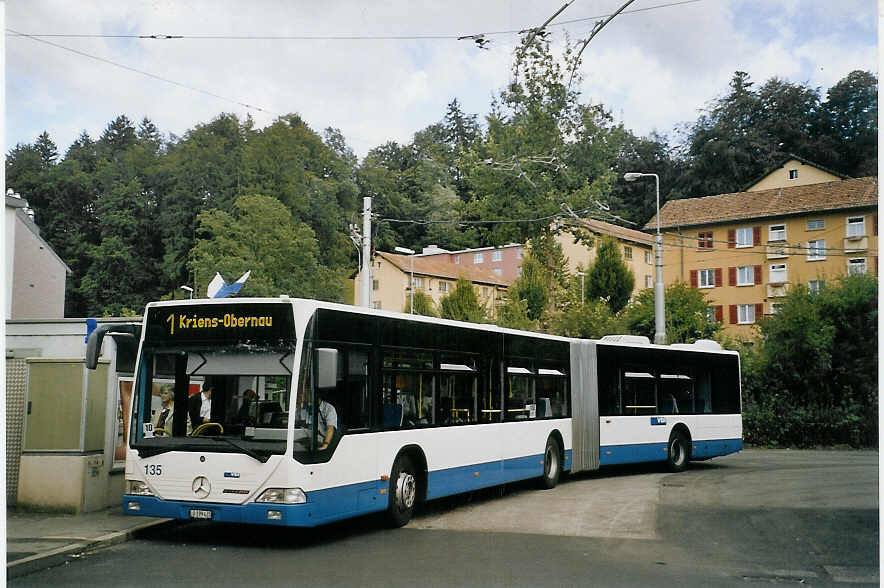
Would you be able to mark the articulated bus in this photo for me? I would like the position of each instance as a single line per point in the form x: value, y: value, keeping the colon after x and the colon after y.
x: 322, y: 411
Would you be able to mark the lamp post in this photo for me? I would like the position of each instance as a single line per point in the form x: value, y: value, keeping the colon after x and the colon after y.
x: 659, y: 322
x: 188, y: 289
x: 409, y: 252
x: 582, y: 280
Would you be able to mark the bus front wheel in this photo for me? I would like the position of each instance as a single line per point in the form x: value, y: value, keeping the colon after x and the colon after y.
x: 679, y: 453
x: 552, y: 464
x: 403, y: 492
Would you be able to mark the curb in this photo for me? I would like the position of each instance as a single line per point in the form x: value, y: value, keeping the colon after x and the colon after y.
x: 54, y: 557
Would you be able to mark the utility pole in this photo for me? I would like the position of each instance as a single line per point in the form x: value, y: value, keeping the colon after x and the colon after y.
x: 366, y: 252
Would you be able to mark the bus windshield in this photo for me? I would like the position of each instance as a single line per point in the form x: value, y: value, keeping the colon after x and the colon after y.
x: 226, y: 398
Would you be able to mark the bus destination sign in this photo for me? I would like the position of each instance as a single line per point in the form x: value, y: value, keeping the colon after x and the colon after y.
x: 214, y: 322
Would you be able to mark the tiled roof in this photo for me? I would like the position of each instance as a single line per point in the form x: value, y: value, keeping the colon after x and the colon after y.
x: 439, y: 267
x: 838, y: 195
x: 602, y: 228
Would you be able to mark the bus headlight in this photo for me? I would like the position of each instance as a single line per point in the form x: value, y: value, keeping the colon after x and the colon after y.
x: 137, y: 488
x: 283, y: 496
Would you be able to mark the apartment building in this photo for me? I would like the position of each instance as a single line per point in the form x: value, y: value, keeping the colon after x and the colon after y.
x: 636, y: 248
x: 746, y: 249
x: 434, y: 275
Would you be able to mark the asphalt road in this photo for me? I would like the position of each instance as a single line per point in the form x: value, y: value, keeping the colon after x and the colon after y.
x: 756, y: 518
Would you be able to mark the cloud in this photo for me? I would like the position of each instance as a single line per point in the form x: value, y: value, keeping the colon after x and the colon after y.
x: 657, y: 67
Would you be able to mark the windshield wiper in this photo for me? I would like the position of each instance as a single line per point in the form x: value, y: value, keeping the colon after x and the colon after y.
x: 251, y: 453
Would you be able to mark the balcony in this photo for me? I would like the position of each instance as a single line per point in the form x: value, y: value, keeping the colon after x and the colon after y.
x: 856, y: 244
x: 777, y: 290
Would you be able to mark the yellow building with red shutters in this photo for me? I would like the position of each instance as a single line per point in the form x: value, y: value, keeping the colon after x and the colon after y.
x: 745, y: 250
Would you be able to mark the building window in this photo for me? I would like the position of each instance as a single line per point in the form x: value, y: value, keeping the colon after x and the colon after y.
x: 649, y: 259
x: 418, y: 283
x: 485, y: 291
x: 478, y: 257
x: 745, y: 314
x: 457, y: 259
x: 443, y: 287
x: 498, y: 271
x: 856, y: 226
x: 519, y: 253
x: 376, y: 305
x: 704, y: 240
x: 375, y: 285
x: 649, y: 282
x: 744, y: 237
x: 814, y: 286
x: 775, y: 307
x: 519, y: 271
x: 816, y: 224
x: 856, y: 266
x: 706, y: 278
x: 627, y: 252
x: 777, y: 233
x: 497, y: 256
x: 816, y: 250
x: 710, y: 314
x: 746, y: 275
x: 777, y: 273
x: 793, y: 174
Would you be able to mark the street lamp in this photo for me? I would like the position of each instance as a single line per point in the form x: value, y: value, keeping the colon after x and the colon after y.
x: 409, y: 252
x: 188, y: 289
x: 582, y: 275
x: 659, y: 322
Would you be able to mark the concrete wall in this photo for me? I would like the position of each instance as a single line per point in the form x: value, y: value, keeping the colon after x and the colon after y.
x: 38, y: 285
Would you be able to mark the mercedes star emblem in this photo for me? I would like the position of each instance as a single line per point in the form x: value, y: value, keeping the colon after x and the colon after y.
x: 201, y: 486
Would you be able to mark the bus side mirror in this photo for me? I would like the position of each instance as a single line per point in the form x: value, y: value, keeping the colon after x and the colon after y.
x: 93, y: 345
x: 326, y: 367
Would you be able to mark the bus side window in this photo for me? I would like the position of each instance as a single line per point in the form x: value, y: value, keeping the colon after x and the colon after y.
x: 703, y: 392
x: 639, y: 392
x: 676, y: 394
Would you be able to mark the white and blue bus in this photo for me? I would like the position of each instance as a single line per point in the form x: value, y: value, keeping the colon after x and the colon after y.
x: 322, y: 411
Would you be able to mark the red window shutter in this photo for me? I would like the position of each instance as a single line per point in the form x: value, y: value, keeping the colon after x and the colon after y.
x: 756, y: 235
x: 718, y: 281
x: 693, y: 278
x: 719, y: 313
x: 732, y: 238
x: 709, y: 240
x: 733, y: 313
x: 757, y: 274
x: 759, y: 311
x: 731, y: 276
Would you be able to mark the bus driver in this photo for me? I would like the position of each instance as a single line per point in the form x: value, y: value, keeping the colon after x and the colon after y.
x: 328, y: 422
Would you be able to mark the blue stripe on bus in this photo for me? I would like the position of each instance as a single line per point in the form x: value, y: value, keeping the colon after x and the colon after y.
x: 645, y: 452
x: 332, y: 504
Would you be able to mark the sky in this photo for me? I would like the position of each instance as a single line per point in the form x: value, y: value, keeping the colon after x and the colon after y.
x: 380, y: 71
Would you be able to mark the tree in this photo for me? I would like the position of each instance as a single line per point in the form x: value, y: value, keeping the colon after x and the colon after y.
x: 260, y: 235
x: 423, y: 304
x: 686, y: 312
x: 462, y: 304
x: 608, y: 278
x: 542, y: 148
x: 513, y: 313
x: 851, y: 118
x: 813, y: 378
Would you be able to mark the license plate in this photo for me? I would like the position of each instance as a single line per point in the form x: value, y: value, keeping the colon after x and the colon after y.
x: 196, y: 513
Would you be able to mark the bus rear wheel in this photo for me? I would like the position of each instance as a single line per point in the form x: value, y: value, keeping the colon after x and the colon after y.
x: 403, y: 492
x: 552, y: 464
x: 679, y: 453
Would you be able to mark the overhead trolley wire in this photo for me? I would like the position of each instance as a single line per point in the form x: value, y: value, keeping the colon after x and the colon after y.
x: 144, y: 73
x: 407, y: 37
